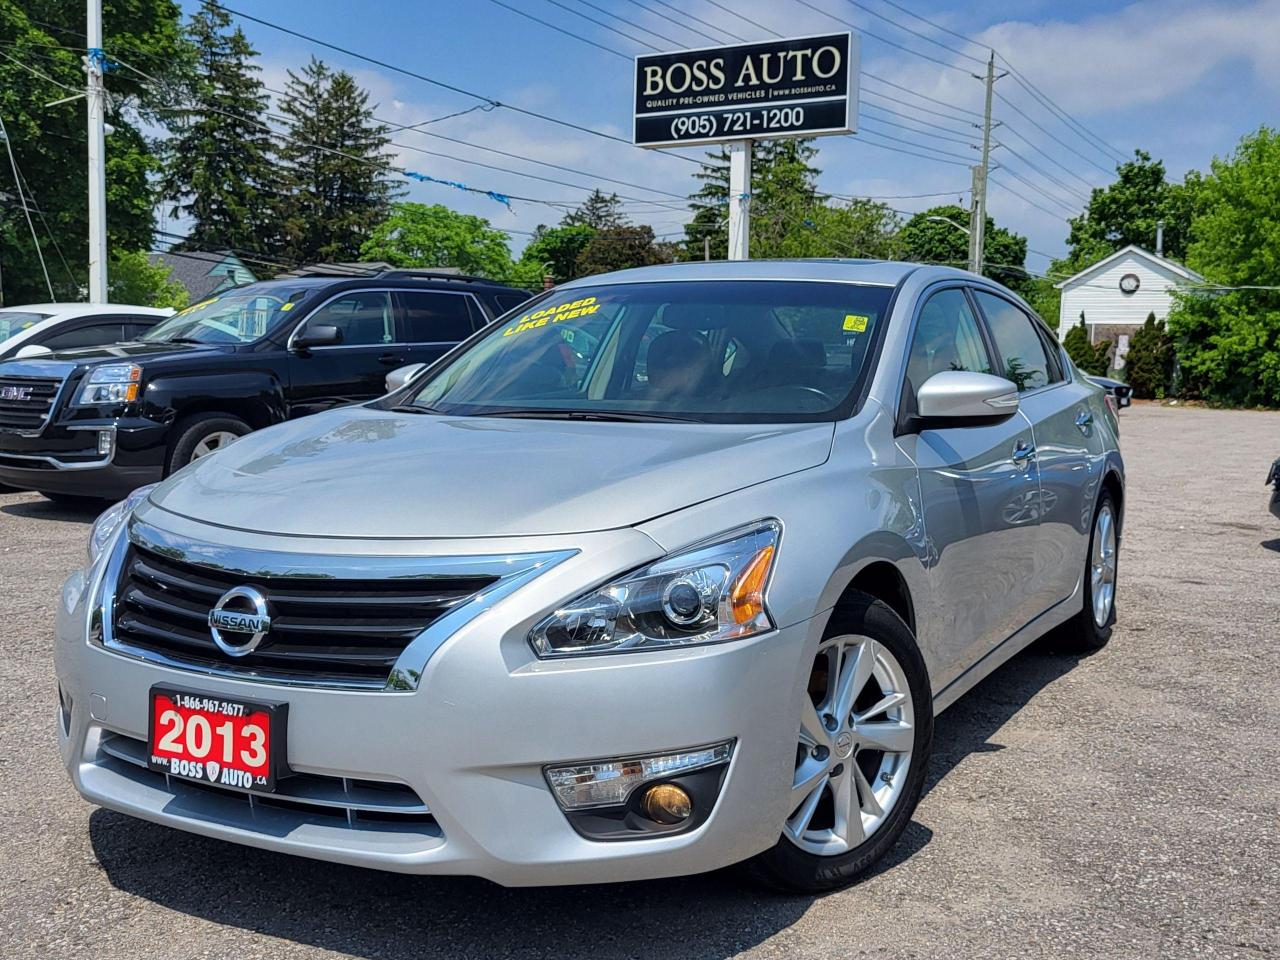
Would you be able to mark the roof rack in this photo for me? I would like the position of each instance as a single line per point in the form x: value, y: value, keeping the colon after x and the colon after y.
x: 440, y: 273
x: 381, y: 270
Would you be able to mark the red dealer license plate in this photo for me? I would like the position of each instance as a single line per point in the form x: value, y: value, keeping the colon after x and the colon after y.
x: 214, y: 740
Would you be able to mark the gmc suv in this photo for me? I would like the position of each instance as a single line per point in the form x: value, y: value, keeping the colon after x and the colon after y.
x: 98, y: 422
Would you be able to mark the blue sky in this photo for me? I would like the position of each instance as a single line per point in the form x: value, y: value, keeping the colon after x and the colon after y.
x: 1182, y: 80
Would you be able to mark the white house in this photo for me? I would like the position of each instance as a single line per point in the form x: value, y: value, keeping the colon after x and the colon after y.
x: 1116, y: 294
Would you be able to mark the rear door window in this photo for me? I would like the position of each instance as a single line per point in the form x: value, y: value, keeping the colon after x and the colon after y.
x: 432, y: 317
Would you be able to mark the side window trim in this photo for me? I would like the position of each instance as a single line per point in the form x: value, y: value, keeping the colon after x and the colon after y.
x: 390, y: 291
x: 479, y: 318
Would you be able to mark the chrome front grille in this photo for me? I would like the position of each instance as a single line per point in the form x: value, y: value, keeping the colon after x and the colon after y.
x: 26, y: 403
x: 324, y: 629
x: 358, y: 803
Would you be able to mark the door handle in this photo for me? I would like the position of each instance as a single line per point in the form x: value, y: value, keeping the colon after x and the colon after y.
x: 1084, y: 420
x: 1024, y: 452
x: 391, y: 359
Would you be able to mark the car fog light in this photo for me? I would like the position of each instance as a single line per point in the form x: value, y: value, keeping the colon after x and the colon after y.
x: 608, y: 783
x: 667, y: 803
x: 106, y: 443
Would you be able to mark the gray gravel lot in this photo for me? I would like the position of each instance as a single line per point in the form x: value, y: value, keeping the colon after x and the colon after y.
x: 1122, y: 805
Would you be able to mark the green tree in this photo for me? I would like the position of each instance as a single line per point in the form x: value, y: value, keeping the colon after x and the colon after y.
x: 417, y: 235
x: 134, y: 279
x: 1148, y: 367
x: 618, y: 249
x: 1094, y: 358
x: 859, y: 228
x: 219, y: 169
x: 600, y: 211
x: 1228, y: 340
x: 555, y: 250
x: 41, y: 66
x: 928, y: 237
x: 337, y: 168
x: 1126, y: 212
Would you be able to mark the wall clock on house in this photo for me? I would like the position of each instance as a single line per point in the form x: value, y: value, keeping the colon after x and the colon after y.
x: 1129, y: 283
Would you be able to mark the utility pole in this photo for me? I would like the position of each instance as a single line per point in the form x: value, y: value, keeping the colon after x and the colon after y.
x: 739, y: 199
x: 94, y: 91
x: 978, y: 222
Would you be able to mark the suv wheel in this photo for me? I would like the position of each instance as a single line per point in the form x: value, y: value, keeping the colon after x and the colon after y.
x: 862, y: 750
x: 202, y: 435
x: 1091, y: 628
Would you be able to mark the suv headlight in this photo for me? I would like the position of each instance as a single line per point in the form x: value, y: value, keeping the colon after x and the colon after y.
x: 110, y: 383
x: 709, y: 593
x: 104, y: 528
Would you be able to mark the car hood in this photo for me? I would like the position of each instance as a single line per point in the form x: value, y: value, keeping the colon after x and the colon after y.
x: 361, y: 472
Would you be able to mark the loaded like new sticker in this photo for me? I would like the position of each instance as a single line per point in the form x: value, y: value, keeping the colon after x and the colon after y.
x: 856, y: 322
x: 565, y: 311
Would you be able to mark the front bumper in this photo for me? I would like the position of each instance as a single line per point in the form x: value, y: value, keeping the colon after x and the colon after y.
x: 65, y: 458
x: 472, y: 741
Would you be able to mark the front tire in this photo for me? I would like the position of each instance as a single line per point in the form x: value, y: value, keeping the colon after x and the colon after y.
x: 866, y: 731
x: 202, y: 435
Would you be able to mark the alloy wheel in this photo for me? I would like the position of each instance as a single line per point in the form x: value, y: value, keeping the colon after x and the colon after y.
x: 857, y: 733
x: 213, y: 442
x: 1102, y: 565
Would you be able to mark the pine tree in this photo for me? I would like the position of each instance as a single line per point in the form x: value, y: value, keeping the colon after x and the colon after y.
x: 336, y: 167
x: 219, y: 168
x: 1149, y: 363
x: 600, y: 211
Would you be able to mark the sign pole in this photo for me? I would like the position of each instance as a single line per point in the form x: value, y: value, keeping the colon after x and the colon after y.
x: 739, y: 199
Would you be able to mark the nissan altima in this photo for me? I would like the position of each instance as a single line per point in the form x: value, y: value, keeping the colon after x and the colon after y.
x: 667, y: 570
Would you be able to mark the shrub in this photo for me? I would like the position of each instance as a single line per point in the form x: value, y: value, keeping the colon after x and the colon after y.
x: 1089, y: 357
x: 1149, y: 364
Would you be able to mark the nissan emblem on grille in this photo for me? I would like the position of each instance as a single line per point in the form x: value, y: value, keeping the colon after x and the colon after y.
x: 15, y: 393
x: 246, y: 627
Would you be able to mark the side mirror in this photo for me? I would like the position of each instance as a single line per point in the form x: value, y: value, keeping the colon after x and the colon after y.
x: 960, y: 398
x: 317, y: 335
x: 32, y: 350
x: 398, y: 377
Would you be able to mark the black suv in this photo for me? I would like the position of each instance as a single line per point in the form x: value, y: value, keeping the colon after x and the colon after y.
x: 100, y: 421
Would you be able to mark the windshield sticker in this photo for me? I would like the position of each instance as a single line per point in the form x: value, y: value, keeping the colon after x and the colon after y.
x: 286, y: 306
x: 856, y: 323
x: 565, y: 311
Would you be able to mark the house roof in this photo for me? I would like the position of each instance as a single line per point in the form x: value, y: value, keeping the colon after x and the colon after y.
x: 1163, y: 263
x: 194, y: 270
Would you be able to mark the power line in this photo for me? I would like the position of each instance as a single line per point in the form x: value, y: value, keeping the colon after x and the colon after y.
x: 598, y: 23
x: 631, y: 23
x: 17, y: 182
x: 439, y: 83
x: 885, y: 40
x: 705, y: 36
x: 1020, y: 112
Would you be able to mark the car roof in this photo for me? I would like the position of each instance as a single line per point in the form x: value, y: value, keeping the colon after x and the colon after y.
x: 878, y: 272
x: 67, y: 311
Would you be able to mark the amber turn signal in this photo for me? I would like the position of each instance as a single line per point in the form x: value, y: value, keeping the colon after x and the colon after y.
x: 746, y: 598
x: 667, y: 803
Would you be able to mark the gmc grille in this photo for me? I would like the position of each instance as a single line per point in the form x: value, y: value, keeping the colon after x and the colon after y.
x: 26, y: 403
x: 322, y: 629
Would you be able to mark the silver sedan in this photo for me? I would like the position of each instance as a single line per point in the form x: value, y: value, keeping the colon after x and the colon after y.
x: 667, y: 570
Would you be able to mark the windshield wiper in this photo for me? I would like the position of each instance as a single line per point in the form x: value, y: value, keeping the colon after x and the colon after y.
x: 180, y: 340
x: 605, y: 416
x: 415, y: 408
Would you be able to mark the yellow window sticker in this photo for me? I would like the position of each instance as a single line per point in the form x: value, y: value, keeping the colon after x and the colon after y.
x: 564, y: 311
x: 856, y: 323
x: 286, y: 306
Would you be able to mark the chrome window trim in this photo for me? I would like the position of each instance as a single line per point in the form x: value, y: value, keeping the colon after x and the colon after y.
x: 394, y: 315
x: 513, y: 572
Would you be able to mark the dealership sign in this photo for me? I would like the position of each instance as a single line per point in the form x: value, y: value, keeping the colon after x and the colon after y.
x: 799, y: 87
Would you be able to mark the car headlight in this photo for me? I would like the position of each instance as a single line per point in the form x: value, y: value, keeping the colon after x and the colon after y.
x: 709, y: 593
x: 111, y: 383
x: 109, y: 522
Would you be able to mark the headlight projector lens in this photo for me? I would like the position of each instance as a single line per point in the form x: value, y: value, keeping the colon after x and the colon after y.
x: 682, y: 603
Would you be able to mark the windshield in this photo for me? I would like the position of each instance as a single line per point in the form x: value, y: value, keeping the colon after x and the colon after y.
x: 241, y: 315
x: 740, y: 351
x: 14, y: 322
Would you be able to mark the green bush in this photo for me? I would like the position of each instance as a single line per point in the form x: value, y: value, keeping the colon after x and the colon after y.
x: 1149, y: 364
x: 1089, y: 357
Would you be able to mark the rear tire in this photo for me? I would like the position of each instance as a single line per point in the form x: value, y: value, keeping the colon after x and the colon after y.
x: 1090, y: 629
x: 201, y: 435
x: 851, y: 807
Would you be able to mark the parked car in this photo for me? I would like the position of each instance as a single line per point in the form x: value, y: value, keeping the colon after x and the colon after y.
x: 41, y: 328
x: 538, y: 618
x: 1117, y: 389
x: 100, y: 421
x: 1273, y: 481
